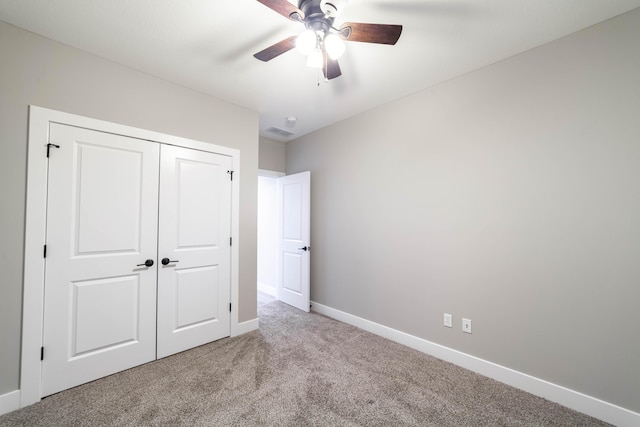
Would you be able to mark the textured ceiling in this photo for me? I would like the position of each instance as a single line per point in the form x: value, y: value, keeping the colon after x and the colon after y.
x: 208, y: 45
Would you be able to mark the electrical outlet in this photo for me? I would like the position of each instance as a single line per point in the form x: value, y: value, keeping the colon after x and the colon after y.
x: 448, y: 321
x: 466, y: 325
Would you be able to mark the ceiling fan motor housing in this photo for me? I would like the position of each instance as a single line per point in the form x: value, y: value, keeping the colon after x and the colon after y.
x: 314, y: 17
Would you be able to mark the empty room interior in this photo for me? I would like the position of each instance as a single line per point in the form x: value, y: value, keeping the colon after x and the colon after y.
x: 473, y: 200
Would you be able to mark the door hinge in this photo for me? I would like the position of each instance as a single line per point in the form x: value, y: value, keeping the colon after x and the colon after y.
x: 230, y: 174
x: 230, y: 241
x: 49, y: 145
x: 41, y: 353
x: 229, y: 307
x: 45, y: 251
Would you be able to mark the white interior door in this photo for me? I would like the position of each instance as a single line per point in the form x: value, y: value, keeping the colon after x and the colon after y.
x: 294, y: 198
x: 194, y: 279
x: 100, y: 304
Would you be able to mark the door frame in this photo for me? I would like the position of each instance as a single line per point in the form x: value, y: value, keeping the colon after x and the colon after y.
x: 36, y: 220
x: 264, y: 173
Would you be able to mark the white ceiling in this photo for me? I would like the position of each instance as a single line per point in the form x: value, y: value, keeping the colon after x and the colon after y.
x: 208, y: 45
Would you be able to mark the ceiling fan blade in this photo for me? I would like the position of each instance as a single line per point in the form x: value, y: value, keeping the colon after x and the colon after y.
x: 284, y: 8
x: 331, y: 68
x: 370, y: 33
x: 277, y: 49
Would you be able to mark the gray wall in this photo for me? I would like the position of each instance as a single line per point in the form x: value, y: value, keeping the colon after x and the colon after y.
x: 272, y: 155
x: 510, y: 196
x: 38, y: 71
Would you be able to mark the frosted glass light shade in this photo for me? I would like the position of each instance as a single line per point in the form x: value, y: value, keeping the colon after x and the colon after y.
x: 306, y: 42
x: 315, y: 58
x: 334, y: 46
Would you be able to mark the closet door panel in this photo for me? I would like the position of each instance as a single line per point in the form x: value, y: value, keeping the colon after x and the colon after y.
x: 194, y: 281
x: 100, y: 305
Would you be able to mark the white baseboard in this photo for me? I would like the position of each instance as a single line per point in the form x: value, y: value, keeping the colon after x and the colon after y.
x: 244, y: 327
x: 9, y: 402
x: 577, y: 401
x: 267, y: 289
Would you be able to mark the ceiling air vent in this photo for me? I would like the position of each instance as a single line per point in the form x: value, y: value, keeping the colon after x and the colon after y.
x: 281, y: 132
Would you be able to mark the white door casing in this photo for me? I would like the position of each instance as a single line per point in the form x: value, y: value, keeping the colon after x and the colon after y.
x: 100, y: 306
x: 294, y: 234
x: 194, y: 238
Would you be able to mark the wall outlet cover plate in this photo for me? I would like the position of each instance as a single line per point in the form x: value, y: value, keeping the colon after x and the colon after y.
x: 448, y: 320
x: 466, y: 325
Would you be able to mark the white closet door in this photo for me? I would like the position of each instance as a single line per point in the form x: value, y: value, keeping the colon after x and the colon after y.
x: 194, y: 241
x: 100, y: 305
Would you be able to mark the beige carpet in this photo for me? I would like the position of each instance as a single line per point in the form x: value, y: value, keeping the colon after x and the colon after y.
x: 299, y: 369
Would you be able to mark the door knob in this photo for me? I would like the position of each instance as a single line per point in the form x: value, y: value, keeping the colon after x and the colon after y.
x: 305, y: 248
x: 147, y: 263
x: 166, y: 261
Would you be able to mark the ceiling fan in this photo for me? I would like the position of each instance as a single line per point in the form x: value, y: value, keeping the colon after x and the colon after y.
x: 321, y: 41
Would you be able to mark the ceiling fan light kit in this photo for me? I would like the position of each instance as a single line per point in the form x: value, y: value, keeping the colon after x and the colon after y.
x: 321, y: 41
x: 313, y: 44
x: 315, y: 58
x: 306, y: 42
x: 334, y: 46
